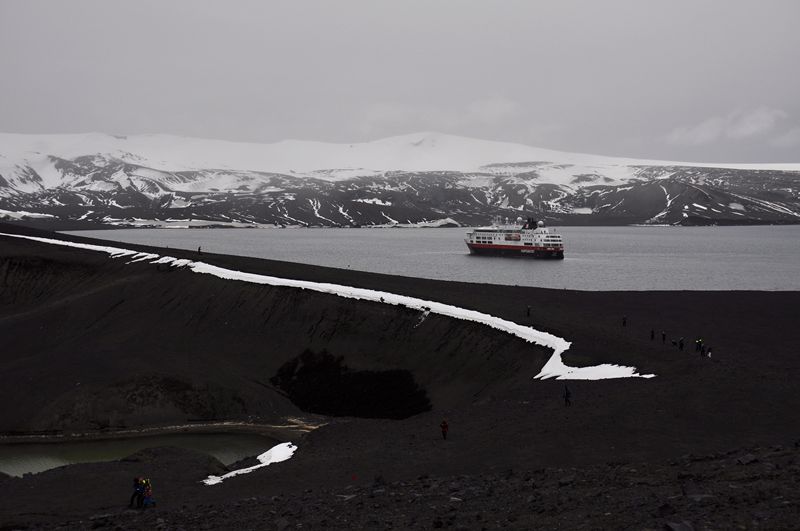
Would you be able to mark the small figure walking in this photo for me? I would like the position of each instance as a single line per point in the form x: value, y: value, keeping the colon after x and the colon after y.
x: 445, y: 428
x: 680, y: 344
x: 138, y: 493
x: 697, y: 343
x: 567, y: 396
x: 149, y: 500
x: 663, y: 338
x: 652, y: 334
x: 624, y: 320
x: 528, y: 311
x: 702, y: 351
x: 199, y: 249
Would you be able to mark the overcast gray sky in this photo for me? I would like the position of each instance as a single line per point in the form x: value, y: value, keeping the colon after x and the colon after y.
x: 688, y: 80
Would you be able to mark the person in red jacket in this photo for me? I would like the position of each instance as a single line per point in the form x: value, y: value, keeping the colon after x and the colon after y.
x: 444, y: 427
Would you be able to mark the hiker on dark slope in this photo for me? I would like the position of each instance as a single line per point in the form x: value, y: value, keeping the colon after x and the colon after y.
x: 445, y: 428
x: 149, y: 500
x: 138, y: 493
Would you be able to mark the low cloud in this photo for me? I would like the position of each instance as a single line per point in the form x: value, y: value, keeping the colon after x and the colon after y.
x: 790, y: 138
x: 736, y: 125
x: 490, y: 111
x: 389, y: 118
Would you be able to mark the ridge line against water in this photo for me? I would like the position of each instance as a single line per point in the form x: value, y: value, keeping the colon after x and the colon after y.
x: 554, y: 368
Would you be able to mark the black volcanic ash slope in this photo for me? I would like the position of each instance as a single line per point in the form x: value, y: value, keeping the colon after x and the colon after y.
x: 90, y: 342
x: 627, y: 453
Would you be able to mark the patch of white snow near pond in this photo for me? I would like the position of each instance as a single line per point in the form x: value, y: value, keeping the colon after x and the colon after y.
x: 276, y: 454
x: 554, y: 368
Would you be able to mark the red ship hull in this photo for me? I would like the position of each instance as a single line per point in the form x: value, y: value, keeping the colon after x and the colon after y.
x: 516, y: 250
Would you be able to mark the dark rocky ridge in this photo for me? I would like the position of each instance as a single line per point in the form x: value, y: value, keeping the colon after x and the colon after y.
x: 675, y: 195
x: 140, y: 344
x: 744, y: 397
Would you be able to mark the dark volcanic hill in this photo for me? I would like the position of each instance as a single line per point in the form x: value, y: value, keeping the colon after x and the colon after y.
x: 130, y: 345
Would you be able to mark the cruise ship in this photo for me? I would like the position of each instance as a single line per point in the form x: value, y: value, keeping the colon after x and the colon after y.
x: 528, y: 238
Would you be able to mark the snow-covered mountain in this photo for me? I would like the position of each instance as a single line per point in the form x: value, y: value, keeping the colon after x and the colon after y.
x: 417, y: 179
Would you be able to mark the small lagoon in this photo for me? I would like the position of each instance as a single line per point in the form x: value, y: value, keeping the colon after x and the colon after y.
x: 17, y: 459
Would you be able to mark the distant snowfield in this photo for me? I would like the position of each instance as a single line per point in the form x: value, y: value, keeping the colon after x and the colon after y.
x: 426, y: 151
x: 554, y: 368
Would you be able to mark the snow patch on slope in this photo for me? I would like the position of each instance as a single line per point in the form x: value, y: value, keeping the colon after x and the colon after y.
x: 276, y: 454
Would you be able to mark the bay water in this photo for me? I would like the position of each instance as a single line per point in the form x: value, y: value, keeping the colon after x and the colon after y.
x: 597, y: 258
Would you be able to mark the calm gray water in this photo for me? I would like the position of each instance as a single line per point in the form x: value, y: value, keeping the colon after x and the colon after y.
x: 18, y: 459
x: 597, y: 258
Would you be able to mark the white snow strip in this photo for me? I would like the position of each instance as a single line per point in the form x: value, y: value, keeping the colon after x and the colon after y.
x: 315, y: 205
x: 554, y: 368
x: 393, y: 221
x: 374, y: 201
x: 664, y: 212
x: 419, y: 225
x: 344, y: 213
x: 666, y: 194
x: 768, y: 205
x: 276, y: 454
x: 23, y: 214
x: 141, y: 257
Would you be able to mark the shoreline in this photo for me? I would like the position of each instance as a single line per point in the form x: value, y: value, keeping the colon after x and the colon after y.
x: 289, y: 431
x: 306, y: 271
x: 50, y: 225
x: 717, y: 259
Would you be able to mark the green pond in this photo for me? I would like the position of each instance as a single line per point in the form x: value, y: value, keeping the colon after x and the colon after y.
x: 17, y: 459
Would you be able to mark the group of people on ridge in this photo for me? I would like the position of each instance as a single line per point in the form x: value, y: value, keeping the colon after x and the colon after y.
x: 699, y: 346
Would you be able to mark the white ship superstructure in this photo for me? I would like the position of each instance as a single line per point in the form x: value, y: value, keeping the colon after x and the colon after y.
x: 529, y: 238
